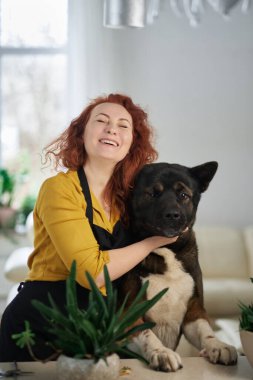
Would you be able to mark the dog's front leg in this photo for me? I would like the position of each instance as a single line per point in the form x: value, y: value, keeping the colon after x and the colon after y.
x: 159, y: 357
x: 199, y: 333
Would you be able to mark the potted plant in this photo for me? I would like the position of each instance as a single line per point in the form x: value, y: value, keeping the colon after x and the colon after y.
x: 246, y: 329
x: 26, y: 207
x: 7, y: 186
x: 97, y: 334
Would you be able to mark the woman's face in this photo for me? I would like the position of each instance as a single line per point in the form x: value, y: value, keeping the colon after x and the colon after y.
x: 109, y: 132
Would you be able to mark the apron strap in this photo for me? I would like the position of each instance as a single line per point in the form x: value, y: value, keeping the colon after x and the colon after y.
x: 120, y: 237
x: 86, y: 193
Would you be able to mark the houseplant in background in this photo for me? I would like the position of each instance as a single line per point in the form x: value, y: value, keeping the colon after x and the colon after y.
x: 25, y: 209
x: 97, y: 334
x: 246, y: 329
x: 7, y: 187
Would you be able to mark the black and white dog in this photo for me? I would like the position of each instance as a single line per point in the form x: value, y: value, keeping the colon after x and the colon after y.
x: 164, y: 202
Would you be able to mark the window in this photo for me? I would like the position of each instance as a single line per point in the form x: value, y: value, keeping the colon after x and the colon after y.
x: 33, y: 80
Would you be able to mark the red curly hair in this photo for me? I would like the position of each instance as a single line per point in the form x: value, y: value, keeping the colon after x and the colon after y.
x: 68, y: 149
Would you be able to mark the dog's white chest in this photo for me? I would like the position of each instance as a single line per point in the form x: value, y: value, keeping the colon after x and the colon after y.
x: 169, y: 311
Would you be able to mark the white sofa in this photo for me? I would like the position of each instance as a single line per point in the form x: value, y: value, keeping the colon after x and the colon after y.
x: 226, y: 259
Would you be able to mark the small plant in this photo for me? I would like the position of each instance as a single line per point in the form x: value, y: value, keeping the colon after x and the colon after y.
x: 7, y: 186
x: 97, y: 332
x: 26, y: 207
x: 246, y: 320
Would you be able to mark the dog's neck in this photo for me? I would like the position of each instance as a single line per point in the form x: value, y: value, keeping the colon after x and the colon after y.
x: 188, y: 238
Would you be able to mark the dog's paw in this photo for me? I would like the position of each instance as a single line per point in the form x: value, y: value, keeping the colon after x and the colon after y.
x: 164, y: 359
x: 219, y: 352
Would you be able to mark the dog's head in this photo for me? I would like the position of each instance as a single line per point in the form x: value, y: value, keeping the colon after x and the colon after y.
x: 165, y: 197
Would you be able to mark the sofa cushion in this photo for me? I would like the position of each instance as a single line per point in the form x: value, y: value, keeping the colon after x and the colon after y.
x: 222, y: 252
x: 222, y: 296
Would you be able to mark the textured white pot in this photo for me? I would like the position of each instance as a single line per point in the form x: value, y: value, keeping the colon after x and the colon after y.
x: 247, y: 344
x: 86, y: 369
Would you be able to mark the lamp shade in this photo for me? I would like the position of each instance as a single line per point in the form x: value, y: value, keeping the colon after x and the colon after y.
x: 124, y: 13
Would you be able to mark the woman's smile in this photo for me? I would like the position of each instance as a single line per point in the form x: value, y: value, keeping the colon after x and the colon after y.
x: 109, y: 142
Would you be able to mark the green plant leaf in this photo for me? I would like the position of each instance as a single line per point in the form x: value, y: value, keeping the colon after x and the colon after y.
x: 135, y: 329
x: 141, y: 294
x: 97, y: 296
x: 71, y: 290
x: 108, y: 284
x: 52, y: 314
x: 129, y: 353
x: 133, y: 314
x: 24, y: 338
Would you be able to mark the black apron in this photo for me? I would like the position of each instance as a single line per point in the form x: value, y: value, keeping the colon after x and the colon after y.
x: 120, y: 236
x: 21, y: 309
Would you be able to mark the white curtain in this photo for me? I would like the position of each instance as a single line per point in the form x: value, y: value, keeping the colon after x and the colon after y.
x: 92, y: 54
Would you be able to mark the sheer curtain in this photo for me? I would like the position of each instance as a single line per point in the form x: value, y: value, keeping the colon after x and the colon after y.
x: 93, y: 61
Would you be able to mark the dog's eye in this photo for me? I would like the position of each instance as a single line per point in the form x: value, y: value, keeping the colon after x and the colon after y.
x: 183, y: 196
x: 153, y: 193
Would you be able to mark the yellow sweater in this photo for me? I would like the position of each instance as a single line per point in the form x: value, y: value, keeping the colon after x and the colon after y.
x: 63, y: 233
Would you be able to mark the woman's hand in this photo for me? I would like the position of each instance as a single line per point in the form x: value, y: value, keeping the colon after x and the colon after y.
x: 160, y: 241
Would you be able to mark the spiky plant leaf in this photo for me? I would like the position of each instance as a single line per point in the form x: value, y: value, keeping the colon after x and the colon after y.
x: 133, y: 314
x: 97, y: 296
x: 71, y: 299
x: 52, y: 314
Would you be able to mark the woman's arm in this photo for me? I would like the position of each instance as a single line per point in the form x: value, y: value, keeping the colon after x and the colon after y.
x: 59, y: 208
x: 63, y: 232
x: 121, y: 260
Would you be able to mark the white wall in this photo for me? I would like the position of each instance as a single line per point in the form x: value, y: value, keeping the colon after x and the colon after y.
x: 196, y: 84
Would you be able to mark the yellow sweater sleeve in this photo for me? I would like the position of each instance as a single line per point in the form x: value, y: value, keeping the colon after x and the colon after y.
x: 63, y: 234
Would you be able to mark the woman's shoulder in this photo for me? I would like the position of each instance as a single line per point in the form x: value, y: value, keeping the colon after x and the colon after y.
x: 67, y: 181
x: 61, y: 191
x: 67, y: 177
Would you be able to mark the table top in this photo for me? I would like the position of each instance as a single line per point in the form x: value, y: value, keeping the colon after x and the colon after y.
x: 193, y: 368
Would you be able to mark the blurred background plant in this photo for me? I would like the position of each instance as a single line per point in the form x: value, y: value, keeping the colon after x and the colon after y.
x: 26, y: 207
x: 7, y: 187
x: 16, y: 197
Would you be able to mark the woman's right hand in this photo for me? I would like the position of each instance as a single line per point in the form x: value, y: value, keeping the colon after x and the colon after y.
x: 160, y: 241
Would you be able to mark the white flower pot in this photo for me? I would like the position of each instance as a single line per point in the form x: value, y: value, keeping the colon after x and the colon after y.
x: 86, y: 369
x: 247, y: 344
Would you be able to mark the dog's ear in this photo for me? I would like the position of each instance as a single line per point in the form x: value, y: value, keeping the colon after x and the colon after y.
x: 204, y: 174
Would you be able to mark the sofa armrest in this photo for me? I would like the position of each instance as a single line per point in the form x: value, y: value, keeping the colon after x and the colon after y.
x: 15, y: 268
x: 248, y: 238
x: 222, y: 296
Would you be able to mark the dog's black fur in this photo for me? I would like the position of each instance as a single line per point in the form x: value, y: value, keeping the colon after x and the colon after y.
x: 164, y: 202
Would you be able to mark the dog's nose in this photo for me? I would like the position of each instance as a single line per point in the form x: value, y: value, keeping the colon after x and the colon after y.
x: 173, y: 215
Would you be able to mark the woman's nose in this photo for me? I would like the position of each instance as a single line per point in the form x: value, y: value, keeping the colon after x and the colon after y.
x: 111, y: 129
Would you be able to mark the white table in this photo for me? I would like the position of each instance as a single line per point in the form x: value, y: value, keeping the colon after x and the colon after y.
x: 194, y: 369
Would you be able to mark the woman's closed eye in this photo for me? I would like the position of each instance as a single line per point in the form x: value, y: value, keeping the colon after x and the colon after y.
x: 102, y: 120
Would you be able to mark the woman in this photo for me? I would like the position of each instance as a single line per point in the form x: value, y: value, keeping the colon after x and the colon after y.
x: 81, y: 214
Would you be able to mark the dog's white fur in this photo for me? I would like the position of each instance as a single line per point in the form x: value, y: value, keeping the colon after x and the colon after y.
x: 168, y: 313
